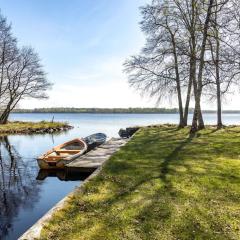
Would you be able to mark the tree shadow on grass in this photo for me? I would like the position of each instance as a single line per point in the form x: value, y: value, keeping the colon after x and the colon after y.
x: 215, y: 130
x: 151, y: 216
x: 164, y: 167
x: 157, y: 209
x: 163, y: 205
x: 163, y: 170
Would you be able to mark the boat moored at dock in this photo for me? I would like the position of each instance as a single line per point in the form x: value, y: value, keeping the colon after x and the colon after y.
x: 62, y: 154
x: 95, y: 140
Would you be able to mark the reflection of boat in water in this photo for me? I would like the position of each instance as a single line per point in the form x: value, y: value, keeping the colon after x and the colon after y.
x: 62, y: 154
x: 95, y: 140
x: 62, y: 175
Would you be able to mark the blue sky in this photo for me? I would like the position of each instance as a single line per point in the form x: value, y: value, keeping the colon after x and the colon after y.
x: 83, y: 44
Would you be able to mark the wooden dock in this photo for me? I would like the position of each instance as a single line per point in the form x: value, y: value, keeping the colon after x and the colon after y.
x: 95, y: 158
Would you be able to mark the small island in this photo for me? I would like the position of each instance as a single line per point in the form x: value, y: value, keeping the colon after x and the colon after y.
x: 19, y: 127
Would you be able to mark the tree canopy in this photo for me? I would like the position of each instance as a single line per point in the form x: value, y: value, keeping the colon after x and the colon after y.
x: 191, y: 50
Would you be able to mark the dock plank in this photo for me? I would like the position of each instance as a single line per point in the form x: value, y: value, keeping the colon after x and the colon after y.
x: 95, y: 158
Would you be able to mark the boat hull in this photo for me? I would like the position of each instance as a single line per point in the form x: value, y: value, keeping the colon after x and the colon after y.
x: 58, y: 157
x: 95, y: 140
x: 59, y: 164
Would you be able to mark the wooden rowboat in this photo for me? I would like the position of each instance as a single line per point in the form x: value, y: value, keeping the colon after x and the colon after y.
x: 62, y: 154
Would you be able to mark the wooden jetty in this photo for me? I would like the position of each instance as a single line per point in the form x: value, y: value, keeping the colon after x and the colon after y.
x: 95, y: 158
x: 86, y: 163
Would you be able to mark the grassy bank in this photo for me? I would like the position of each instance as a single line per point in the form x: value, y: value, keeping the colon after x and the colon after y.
x: 18, y: 127
x: 164, y: 184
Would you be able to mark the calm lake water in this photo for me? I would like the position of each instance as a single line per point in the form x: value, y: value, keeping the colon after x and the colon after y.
x: 27, y: 194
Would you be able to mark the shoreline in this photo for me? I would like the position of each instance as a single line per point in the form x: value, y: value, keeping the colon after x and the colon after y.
x: 42, y: 127
x: 116, y: 112
x: 162, y: 193
x: 44, y: 225
x: 34, y: 232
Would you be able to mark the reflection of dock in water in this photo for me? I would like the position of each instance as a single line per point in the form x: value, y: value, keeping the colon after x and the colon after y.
x: 62, y: 175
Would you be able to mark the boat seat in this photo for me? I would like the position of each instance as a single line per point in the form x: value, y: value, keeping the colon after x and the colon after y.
x: 52, y: 158
x: 67, y: 151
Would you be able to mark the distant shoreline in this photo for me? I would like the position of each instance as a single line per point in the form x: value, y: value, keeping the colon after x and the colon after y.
x: 114, y: 110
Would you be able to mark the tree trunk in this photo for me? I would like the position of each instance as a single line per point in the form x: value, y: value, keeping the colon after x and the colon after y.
x: 10, y: 106
x: 4, y: 116
x: 218, y: 83
x: 193, y: 64
x: 189, y: 90
x: 219, y: 108
x: 181, y: 119
x: 197, y: 121
x: 197, y: 112
x: 201, y: 124
x: 179, y: 94
x: 194, y: 126
x: 5, y: 120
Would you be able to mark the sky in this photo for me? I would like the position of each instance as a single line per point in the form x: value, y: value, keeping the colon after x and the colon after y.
x: 83, y: 45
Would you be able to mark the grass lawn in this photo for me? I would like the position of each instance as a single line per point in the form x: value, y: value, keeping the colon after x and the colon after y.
x: 25, y: 127
x: 163, y: 184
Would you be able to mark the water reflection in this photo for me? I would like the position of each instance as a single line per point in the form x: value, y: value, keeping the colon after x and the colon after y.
x: 62, y: 175
x: 23, y: 199
x: 18, y: 187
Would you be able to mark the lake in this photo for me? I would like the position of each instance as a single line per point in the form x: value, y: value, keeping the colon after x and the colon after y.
x: 27, y: 194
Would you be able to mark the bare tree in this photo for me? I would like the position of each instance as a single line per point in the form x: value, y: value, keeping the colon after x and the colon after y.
x: 197, y: 110
x: 223, y: 65
x: 8, y: 49
x: 25, y: 79
x: 21, y: 73
x: 173, y: 52
x: 157, y: 70
x: 188, y: 13
x: 191, y: 45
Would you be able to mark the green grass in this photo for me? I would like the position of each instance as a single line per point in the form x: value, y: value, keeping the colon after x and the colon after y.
x: 163, y: 184
x: 22, y: 127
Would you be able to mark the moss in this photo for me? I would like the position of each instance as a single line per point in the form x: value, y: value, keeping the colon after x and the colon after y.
x: 164, y: 184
